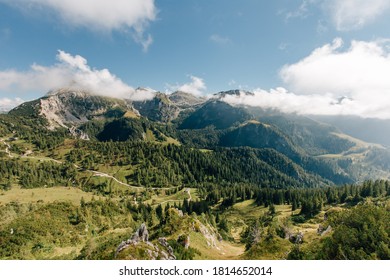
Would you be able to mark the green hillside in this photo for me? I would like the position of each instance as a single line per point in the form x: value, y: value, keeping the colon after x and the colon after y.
x: 209, y: 181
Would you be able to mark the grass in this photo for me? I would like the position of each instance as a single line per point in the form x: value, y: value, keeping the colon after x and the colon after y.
x: 170, y: 140
x: 150, y: 136
x: 222, y: 251
x: 22, y: 144
x: 69, y: 252
x: 65, y: 148
x: 274, y: 249
x: 205, y: 150
x: 45, y: 195
x: 161, y: 198
x: 249, y: 210
x: 240, y: 215
x: 244, y: 212
x: 131, y: 115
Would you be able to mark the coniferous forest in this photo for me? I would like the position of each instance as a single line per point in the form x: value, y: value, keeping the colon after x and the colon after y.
x: 201, y: 187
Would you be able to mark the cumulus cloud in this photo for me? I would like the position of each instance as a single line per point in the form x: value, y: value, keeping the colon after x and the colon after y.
x: 360, y: 70
x: 7, y: 103
x: 333, y: 80
x: 70, y: 72
x: 98, y: 15
x: 197, y: 86
x: 354, y: 14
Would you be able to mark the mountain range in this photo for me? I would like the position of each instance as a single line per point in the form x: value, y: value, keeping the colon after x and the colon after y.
x: 312, y: 144
x: 178, y: 176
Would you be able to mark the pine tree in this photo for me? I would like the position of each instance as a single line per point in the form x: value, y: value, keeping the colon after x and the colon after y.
x: 294, y: 205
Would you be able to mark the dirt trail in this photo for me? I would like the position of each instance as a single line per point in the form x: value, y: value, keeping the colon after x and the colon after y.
x: 102, y: 174
x: 96, y: 173
x: 8, y: 146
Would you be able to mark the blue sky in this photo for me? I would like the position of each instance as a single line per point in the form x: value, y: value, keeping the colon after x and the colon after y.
x: 204, y: 46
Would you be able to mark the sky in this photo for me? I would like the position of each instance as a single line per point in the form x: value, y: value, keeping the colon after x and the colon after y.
x: 323, y: 57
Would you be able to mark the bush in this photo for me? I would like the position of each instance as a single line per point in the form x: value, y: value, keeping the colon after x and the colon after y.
x: 360, y: 233
x: 298, y: 219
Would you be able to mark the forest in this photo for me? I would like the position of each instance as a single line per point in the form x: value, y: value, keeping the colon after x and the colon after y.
x: 80, y: 199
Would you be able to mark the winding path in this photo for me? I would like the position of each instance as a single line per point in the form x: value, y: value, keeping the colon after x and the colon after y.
x: 96, y: 173
x: 101, y: 174
x: 8, y: 146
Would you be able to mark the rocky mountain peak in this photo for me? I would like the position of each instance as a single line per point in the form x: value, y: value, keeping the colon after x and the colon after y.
x: 67, y: 92
x: 185, y: 99
x: 236, y: 92
x: 69, y: 107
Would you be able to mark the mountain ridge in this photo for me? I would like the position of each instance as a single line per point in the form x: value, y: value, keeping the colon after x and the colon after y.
x: 317, y: 147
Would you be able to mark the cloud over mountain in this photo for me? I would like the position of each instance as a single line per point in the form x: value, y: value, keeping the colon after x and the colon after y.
x: 359, y: 72
x: 332, y: 80
x: 70, y: 72
x: 196, y: 86
x: 287, y: 102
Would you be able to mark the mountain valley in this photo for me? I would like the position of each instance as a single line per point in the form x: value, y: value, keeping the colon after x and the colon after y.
x: 81, y: 174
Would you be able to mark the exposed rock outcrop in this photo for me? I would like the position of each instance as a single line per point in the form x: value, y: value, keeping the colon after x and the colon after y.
x: 186, y: 100
x: 323, y: 231
x: 296, y: 238
x: 140, y: 239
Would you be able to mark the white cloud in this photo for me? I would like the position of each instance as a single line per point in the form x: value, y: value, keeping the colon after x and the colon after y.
x: 321, y: 27
x: 287, y: 102
x: 196, y: 86
x: 283, y: 46
x: 332, y: 80
x: 216, y: 38
x: 360, y: 72
x: 141, y: 94
x: 345, y: 15
x: 232, y: 83
x: 354, y: 14
x: 7, y: 103
x: 363, y: 67
x: 145, y: 42
x: 98, y: 15
x: 301, y: 12
x: 70, y: 72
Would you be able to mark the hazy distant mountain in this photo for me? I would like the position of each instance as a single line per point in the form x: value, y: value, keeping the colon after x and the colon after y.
x: 367, y: 129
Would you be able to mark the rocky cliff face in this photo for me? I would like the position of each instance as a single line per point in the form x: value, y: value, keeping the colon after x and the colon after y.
x: 165, y: 108
x: 66, y: 108
x: 186, y: 100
